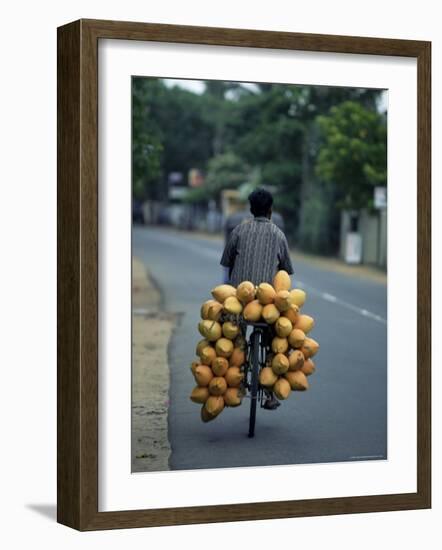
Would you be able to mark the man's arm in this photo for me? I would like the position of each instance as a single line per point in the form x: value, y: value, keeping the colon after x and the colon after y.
x: 284, y: 256
x: 229, y: 254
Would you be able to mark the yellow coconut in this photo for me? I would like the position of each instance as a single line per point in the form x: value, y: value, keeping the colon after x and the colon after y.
x: 203, y: 375
x: 202, y: 328
x: 279, y: 345
x: 218, y: 385
x: 308, y: 367
x: 283, y: 327
x: 270, y: 313
x: 240, y: 342
x: 205, y: 415
x: 214, y: 405
x: 296, y: 338
x: 222, y: 292
x: 280, y: 364
x: 232, y: 397
x: 232, y: 305
x: 282, y: 281
x: 220, y: 366
x: 267, y: 377
x: 283, y: 301
x: 292, y: 313
x: 252, y: 312
x: 224, y: 347
x: 309, y: 348
x: 199, y: 394
x: 269, y: 359
x: 265, y: 293
x: 211, y: 330
x: 214, y: 311
x: 298, y: 297
x: 297, y: 380
x: 238, y: 358
x: 207, y: 355
x: 281, y: 388
x: 233, y: 377
x: 230, y: 330
x: 305, y: 323
x: 193, y: 366
x: 201, y: 344
x: 205, y: 308
x: 245, y: 292
x: 296, y: 360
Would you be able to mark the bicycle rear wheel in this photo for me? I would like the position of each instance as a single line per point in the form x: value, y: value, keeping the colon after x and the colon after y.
x: 254, y: 363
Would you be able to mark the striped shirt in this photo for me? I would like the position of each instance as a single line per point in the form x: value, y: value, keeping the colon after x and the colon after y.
x: 255, y: 251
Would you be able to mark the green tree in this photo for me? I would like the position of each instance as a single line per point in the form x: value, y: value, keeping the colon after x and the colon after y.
x: 147, y: 137
x: 353, y: 156
x: 187, y: 133
x: 318, y: 220
x: 169, y: 134
x: 216, y: 107
x: 263, y: 131
x: 275, y: 130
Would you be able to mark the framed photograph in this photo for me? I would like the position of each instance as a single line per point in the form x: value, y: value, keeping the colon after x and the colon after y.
x: 244, y: 289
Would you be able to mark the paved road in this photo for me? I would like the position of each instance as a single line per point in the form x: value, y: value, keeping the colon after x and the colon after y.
x: 343, y: 416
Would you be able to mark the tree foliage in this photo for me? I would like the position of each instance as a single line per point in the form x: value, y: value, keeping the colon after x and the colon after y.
x: 353, y: 155
x: 147, y: 138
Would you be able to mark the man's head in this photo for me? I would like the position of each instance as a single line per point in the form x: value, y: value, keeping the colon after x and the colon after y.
x: 261, y: 202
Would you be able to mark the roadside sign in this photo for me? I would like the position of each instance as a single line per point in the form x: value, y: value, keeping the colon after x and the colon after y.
x: 178, y: 192
x: 380, y: 197
x: 175, y: 178
x: 353, y: 248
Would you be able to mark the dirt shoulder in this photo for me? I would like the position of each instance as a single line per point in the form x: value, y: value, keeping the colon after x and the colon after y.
x: 151, y: 331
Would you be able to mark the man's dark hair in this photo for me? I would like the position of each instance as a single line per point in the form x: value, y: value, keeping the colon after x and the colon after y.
x: 261, y: 202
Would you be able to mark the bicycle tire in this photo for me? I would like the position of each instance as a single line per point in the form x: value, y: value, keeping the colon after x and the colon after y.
x: 254, y: 362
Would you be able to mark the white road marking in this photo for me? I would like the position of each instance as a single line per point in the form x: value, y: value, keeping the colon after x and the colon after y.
x: 335, y: 300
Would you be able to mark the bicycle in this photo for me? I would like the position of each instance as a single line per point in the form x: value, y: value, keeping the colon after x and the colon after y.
x: 258, y: 348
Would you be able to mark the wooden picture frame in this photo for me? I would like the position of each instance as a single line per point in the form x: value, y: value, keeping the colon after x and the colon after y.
x: 77, y: 224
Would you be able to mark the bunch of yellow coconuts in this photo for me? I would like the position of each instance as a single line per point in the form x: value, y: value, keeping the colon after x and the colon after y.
x: 219, y: 370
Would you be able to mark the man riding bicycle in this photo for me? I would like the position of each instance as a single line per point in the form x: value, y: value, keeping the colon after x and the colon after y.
x: 256, y: 250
